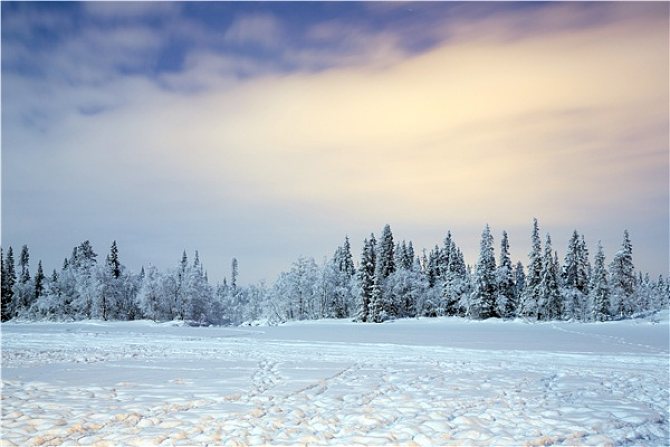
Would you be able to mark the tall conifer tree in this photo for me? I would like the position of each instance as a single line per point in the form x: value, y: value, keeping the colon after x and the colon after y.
x: 485, y: 292
x: 529, y: 304
x: 599, y: 288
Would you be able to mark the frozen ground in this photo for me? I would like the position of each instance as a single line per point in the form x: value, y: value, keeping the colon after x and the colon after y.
x: 425, y: 382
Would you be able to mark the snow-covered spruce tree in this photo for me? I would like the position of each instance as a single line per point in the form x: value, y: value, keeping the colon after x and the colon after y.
x: 234, y: 272
x: 198, y: 293
x: 575, y: 278
x: 377, y: 312
x: 382, y: 302
x: 599, y: 290
x: 529, y: 299
x: 622, y: 279
x: 346, y: 283
x: 444, y: 257
x: 338, y: 279
x: 404, y: 255
x: 519, y: 283
x: 23, y: 290
x: 113, y: 262
x: 385, y: 257
x: 3, y: 281
x: 149, y: 298
x: 39, y: 281
x: 399, y: 255
x: 409, y: 256
x: 107, y: 303
x: 182, y: 299
x: 366, y: 278
x: 550, y: 302
x: 644, y: 294
x: 456, y: 283
x: 585, y: 270
x: 483, y: 299
x: 386, y: 261
x: 8, y: 282
x: 662, y: 292
x: 506, y: 298
x: 433, y: 266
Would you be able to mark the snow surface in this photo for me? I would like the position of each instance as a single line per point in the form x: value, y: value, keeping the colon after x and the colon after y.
x: 439, y: 381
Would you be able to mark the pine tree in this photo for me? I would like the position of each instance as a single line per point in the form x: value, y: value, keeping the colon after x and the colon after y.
x: 662, y: 292
x: 483, y: 301
x: 39, y: 281
x: 575, y: 277
x: 644, y: 294
x: 347, y: 261
x: 111, y: 301
x: 550, y: 305
x: 183, y: 265
x: 377, y: 312
x: 181, y: 300
x: 409, y: 256
x: 196, y: 262
x: 399, y: 256
x: 622, y: 273
x: 519, y: 282
x: 444, y: 257
x: 506, y: 299
x: 113, y: 261
x: 23, y: 290
x: 8, y: 281
x: 530, y: 297
x: 54, y: 287
x: 382, y: 300
x: 599, y: 288
x: 24, y: 260
x: 234, y: 272
x: 339, y: 277
x: 148, y: 299
x: 385, y: 256
x: 433, y: 266
x: 366, y: 278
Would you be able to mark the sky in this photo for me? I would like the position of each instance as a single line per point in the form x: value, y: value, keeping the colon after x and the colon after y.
x: 269, y: 131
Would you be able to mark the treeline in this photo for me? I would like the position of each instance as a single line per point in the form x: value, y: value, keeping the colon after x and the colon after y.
x: 389, y: 281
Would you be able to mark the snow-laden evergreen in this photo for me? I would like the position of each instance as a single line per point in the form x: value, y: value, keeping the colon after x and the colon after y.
x: 485, y: 293
x: 550, y: 303
x: 506, y: 299
x: 366, y: 278
x: 622, y: 279
x: 531, y: 296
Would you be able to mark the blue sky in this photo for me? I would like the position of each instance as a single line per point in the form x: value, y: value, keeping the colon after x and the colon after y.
x: 267, y: 131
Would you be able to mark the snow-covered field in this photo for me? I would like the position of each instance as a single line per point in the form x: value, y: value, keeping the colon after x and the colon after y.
x: 425, y: 382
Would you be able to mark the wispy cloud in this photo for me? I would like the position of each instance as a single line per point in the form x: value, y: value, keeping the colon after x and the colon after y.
x: 257, y: 29
x: 113, y: 10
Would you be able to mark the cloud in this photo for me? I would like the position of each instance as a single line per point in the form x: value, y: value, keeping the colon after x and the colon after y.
x: 257, y: 29
x: 22, y: 20
x: 110, y: 10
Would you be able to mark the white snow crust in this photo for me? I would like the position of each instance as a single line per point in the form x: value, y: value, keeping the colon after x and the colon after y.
x: 442, y: 381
